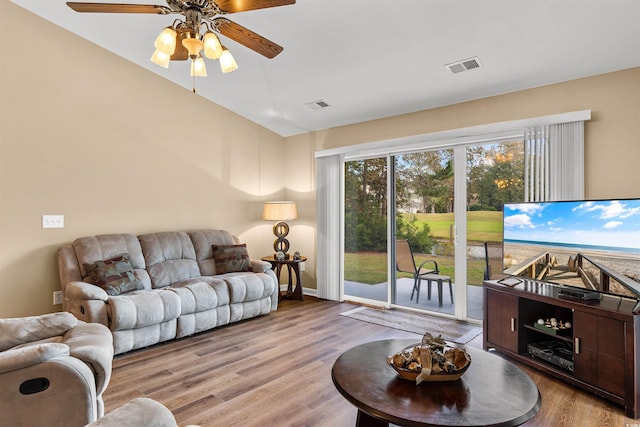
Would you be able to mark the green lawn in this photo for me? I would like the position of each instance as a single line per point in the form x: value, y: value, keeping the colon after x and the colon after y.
x: 371, y: 267
x: 481, y: 225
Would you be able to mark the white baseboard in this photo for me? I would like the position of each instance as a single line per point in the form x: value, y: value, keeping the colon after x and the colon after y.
x: 305, y: 291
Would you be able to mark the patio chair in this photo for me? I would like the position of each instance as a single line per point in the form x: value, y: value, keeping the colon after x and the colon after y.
x: 405, y: 263
x: 493, y: 260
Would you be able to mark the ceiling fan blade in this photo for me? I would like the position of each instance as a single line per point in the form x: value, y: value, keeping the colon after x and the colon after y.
x: 118, y: 8
x: 248, y: 38
x: 233, y: 6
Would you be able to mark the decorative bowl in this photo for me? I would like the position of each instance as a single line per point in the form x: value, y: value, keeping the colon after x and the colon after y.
x: 408, y: 375
x: 446, y: 363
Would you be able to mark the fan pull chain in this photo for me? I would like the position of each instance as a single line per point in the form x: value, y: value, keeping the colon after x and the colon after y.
x: 194, y: 83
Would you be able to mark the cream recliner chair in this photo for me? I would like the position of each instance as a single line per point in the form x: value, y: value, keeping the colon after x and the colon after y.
x: 53, y: 370
x: 138, y: 413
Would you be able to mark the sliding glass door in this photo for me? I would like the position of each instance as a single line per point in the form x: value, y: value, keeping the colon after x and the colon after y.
x: 424, y: 230
x: 365, y: 229
x: 415, y: 224
x: 495, y: 175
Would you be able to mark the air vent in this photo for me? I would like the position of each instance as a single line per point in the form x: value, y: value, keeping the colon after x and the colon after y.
x: 464, y: 65
x: 317, y: 105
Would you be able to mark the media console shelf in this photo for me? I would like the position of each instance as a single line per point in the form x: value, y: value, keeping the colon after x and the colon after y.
x: 597, y: 353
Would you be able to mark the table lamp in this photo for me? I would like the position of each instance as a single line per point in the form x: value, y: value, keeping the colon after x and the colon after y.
x: 281, y: 212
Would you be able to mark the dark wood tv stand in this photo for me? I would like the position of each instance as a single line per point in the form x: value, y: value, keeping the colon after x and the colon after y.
x: 603, y: 340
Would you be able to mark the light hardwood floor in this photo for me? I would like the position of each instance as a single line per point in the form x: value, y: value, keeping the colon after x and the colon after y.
x: 276, y: 371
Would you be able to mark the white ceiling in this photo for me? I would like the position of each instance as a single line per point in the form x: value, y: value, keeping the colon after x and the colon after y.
x: 377, y: 58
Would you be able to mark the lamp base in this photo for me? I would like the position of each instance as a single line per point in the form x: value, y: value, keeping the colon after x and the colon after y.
x: 281, y: 244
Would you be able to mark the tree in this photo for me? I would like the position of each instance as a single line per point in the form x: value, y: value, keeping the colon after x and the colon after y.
x: 429, y: 176
x: 366, y: 205
x: 366, y: 210
x: 495, y: 175
x: 419, y: 239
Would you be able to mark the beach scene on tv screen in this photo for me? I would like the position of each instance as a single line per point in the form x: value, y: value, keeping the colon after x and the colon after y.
x: 590, y: 244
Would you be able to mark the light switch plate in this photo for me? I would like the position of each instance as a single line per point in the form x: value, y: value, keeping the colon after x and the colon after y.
x: 57, y: 297
x: 52, y: 221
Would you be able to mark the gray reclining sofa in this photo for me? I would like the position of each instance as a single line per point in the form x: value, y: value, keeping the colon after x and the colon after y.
x: 160, y: 286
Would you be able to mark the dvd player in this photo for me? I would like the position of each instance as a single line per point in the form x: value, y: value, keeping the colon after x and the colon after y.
x: 553, y: 352
x: 583, y: 295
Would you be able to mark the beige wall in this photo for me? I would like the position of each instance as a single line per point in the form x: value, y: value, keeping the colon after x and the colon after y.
x: 612, y: 141
x: 80, y: 135
x: 86, y: 134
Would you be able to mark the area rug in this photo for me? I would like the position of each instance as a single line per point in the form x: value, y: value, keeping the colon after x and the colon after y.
x: 451, y: 330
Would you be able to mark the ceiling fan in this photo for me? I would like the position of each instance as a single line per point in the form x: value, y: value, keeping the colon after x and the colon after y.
x: 182, y: 40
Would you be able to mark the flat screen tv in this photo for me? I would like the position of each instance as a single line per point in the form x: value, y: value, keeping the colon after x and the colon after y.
x: 591, y: 244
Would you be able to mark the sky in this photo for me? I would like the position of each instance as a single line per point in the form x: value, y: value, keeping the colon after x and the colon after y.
x: 613, y: 223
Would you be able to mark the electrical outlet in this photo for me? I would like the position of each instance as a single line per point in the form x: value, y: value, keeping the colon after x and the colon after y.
x: 52, y: 221
x: 57, y: 297
x: 302, y: 266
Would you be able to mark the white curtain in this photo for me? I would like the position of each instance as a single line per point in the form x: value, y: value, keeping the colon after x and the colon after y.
x: 554, y: 162
x: 329, y: 238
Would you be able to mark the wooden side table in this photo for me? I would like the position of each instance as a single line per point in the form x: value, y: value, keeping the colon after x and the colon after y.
x: 292, y: 265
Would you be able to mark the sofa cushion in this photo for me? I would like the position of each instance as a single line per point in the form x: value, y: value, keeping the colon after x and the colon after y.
x: 28, y: 355
x: 16, y: 331
x: 245, y: 287
x: 202, y: 242
x: 202, y: 294
x: 169, y: 257
x: 141, y: 309
x: 115, y: 275
x: 231, y: 258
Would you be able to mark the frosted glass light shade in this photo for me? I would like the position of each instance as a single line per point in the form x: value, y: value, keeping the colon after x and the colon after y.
x: 198, y: 68
x: 279, y: 211
x: 166, y: 41
x: 227, y: 63
x: 212, y: 46
x: 193, y: 45
x: 161, y: 58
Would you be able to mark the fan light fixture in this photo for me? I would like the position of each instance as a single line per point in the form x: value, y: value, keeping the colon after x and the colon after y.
x: 187, y: 34
x: 183, y: 40
x: 165, y: 45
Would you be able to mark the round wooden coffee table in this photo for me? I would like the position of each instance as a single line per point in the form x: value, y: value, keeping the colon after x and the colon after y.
x: 493, y: 391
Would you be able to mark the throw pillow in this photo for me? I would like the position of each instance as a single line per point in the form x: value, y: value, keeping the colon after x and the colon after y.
x: 231, y: 258
x: 115, y: 275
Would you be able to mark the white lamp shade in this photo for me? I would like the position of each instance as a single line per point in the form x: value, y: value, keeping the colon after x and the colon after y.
x: 198, y: 68
x: 227, y: 63
x: 161, y: 58
x: 279, y: 211
x: 166, y: 41
x: 212, y: 46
